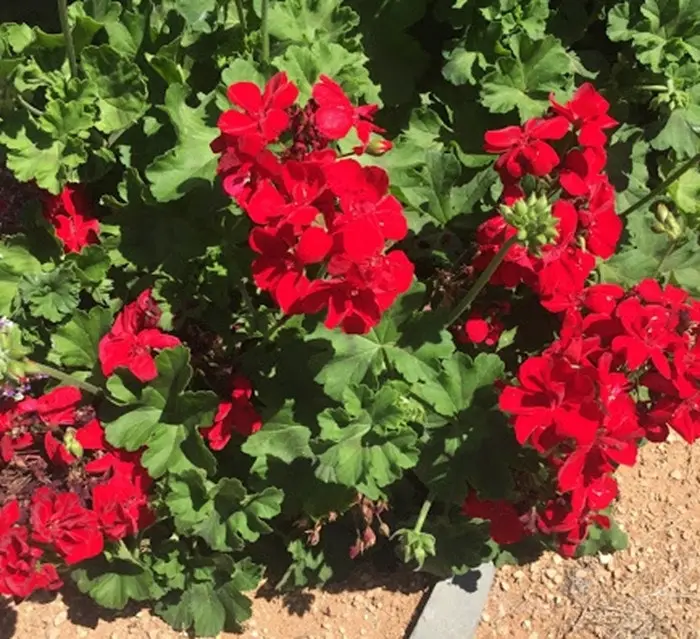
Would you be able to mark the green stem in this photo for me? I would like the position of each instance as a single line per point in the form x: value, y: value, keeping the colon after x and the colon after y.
x: 45, y: 369
x: 422, y: 515
x: 652, y: 87
x: 241, y: 16
x: 663, y: 186
x: 32, y: 109
x: 265, y: 30
x: 258, y: 322
x: 70, y: 45
x: 482, y: 280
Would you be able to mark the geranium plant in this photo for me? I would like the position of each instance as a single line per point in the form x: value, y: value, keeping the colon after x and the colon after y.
x: 246, y: 313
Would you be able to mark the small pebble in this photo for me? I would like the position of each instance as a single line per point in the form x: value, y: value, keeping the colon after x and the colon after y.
x: 60, y: 618
x: 518, y: 575
x: 558, y: 579
x: 676, y: 474
x: 82, y: 633
x: 551, y: 573
x: 557, y: 560
x: 632, y: 567
x: 505, y: 586
x: 485, y: 617
x: 527, y: 624
x: 605, y: 558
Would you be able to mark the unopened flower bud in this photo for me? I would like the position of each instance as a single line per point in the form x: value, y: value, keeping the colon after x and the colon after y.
x: 73, y: 446
x: 673, y: 229
x: 533, y: 220
x: 658, y: 228
x: 378, y: 146
x: 662, y: 212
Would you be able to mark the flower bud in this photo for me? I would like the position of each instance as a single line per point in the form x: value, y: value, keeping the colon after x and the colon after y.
x: 73, y: 446
x: 658, y: 228
x: 661, y: 213
x: 378, y: 146
x: 12, y: 352
x: 533, y: 220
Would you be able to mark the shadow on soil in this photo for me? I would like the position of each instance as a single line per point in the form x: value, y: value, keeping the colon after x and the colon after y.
x: 8, y: 619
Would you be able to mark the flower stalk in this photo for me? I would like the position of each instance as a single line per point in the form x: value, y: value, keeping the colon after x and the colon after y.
x: 265, y: 31
x: 70, y: 45
x: 663, y: 186
x: 481, y: 281
x: 66, y: 378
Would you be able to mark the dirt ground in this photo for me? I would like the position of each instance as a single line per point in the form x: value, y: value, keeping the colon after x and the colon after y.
x: 651, y: 590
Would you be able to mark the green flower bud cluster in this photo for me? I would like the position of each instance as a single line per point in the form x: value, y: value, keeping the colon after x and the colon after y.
x: 533, y: 220
x: 666, y: 223
x: 13, y: 364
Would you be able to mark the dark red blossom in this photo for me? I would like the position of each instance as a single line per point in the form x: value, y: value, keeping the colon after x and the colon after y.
x: 121, y: 507
x: 69, y: 213
x: 130, y: 342
x: 237, y: 415
x: 506, y: 525
x: 60, y: 521
x: 21, y: 570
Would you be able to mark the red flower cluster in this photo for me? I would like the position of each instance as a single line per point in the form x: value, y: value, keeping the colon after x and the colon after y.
x: 588, y: 225
x: 69, y: 214
x: 235, y: 416
x: 322, y: 223
x: 133, y: 337
x: 65, y: 490
x: 579, y: 404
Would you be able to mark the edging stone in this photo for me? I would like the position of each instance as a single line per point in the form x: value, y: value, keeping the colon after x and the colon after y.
x: 454, y: 608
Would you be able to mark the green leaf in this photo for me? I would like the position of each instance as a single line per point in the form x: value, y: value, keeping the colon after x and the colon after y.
x: 118, y: 84
x: 602, y: 540
x: 308, y: 567
x: 679, y: 132
x: 367, y: 451
x: 134, y: 429
x: 661, y: 31
x: 460, y: 545
x: 453, y: 389
x: 164, y: 450
x: 15, y: 262
x: 459, y: 65
x: 281, y: 437
x: 33, y: 155
x: 191, y: 162
x: 304, y: 65
x: 75, y: 344
x: 113, y: 583
x: 524, y: 81
x: 627, y: 165
x: 53, y: 295
x: 432, y: 192
x: 305, y: 22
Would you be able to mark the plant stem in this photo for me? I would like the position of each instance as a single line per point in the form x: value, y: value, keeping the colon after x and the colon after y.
x: 45, y: 369
x: 241, y: 16
x: 32, y: 109
x: 258, y: 322
x: 652, y: 87
x: 424, y: 510
x: 70, y: 45
x: 663, y: 186
x: 480, y: 282
x: 265, y: 30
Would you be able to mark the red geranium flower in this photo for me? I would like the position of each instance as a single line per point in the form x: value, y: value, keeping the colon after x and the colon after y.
x: 524, y: 151
x: 336, y: 115
x: 60, y: 520
x: 121, y: 507
x: 21, y: 572
x: 68, y: 213
x: 130, y: 342
x: 261, y: 116
x: 235, y: 416
x: 588, y: 112
x: 506, y: 526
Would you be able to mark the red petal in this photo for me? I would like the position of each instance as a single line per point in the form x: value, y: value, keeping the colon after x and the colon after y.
x: 245, y: 95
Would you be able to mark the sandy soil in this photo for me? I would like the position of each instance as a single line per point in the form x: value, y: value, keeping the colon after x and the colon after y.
x: 651, y: 590
x: 370, y: 606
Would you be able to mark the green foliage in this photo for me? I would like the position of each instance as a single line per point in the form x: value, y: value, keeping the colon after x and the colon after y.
x: 357, y: 430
